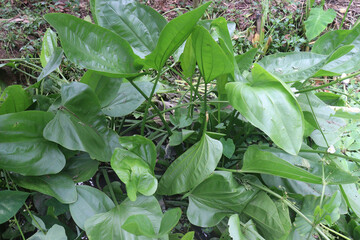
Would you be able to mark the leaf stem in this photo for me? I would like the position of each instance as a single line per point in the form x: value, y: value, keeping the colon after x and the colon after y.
x: 148, y: 104
x: 333, y: 231
x: 331, y: 154
x: 328, y: 84
x: 153, y: 105
x: 107, y: 180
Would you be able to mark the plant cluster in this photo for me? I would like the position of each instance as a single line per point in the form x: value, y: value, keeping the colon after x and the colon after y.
x: 249, y: 148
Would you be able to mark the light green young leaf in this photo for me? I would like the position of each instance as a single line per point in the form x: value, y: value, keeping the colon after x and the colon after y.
x: 216, y: 197
x: 53, y: 63
x: 173, y: 35
x: 59, y: 186
x: 10, y: 203
x: 79, y: 123
x: 188, y: 58
x: 142, y: 147
x: 138, y: 24
x: 192, y: 167
x: 293, y: 66
x: 48, y: 46
x: 23, y: 148
x: 108, y: 225
x: 93, y: 47
x: 179, y: 137
x: 317, y: 21
x: 211, y: 59
x: 135, y: 172
x: 269, y: 105
x: 188, y: 236
x: 14, y: 99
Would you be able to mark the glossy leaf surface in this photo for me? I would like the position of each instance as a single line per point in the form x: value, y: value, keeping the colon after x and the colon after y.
x: 192, y: 167
x: 90, y: 201
x: 173, y: 35
x: 138, y: 24
x: 293, y: 66
x: 270, y: 106
x: 108, y: 225
x: 10, y: 203
x: 245, y: 60
x: 14, y: 99
x: 312, y: 163
x: 258, y: 161
x: 59, y: 186
x: 142, y: 147
x: 93, y: 47
x: 117, y: 96
x: 79, y: 123
x: 81, y: 167
x: 211, y: 59
x: 216, y: 197
x: 317, y: 21
x: 134, y: 172
x: 48, y: 46
x: 23, y: 149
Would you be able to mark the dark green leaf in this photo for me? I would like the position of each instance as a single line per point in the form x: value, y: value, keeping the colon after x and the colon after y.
x: 138, y: 24
x: 267, y: 216
x: 108, y: 225
x: 81, y: 167
x: 211, y: 59
x: 245, y: 61
x: 23, y: 148
x: 258, y: 161
x: 268, y: 104
x: 14, y: 99
x: 90, y: 201
x: 117, y: 96
x: 293, y: 66
x: 317, y: 21
x: 52, y: 64
x: 94, y: 47
x: 48, y: 46
x: 79, y: 123
x: 59, y: 186
x: 135, y: 172
x: 192, y: 167
x: 216, y: 197
x: 352, y: 197
x: 10, y: 203
x: 142, y: 147
x: 173, y: 35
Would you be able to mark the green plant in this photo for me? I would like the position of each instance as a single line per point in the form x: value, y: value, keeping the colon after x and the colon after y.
x: 260, y: 155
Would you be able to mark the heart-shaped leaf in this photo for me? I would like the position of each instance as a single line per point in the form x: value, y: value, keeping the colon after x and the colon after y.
x: 23, y: 149
x: 93, y: 47
x: 317, y: 21
x: 192, y: 167
x: 268, y: 104
x: 56, y: 232
x: 14, y: 99
x: 79, y: 123
x: 216, y: 197
x: 108, y: 225
x: 81, y: 167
